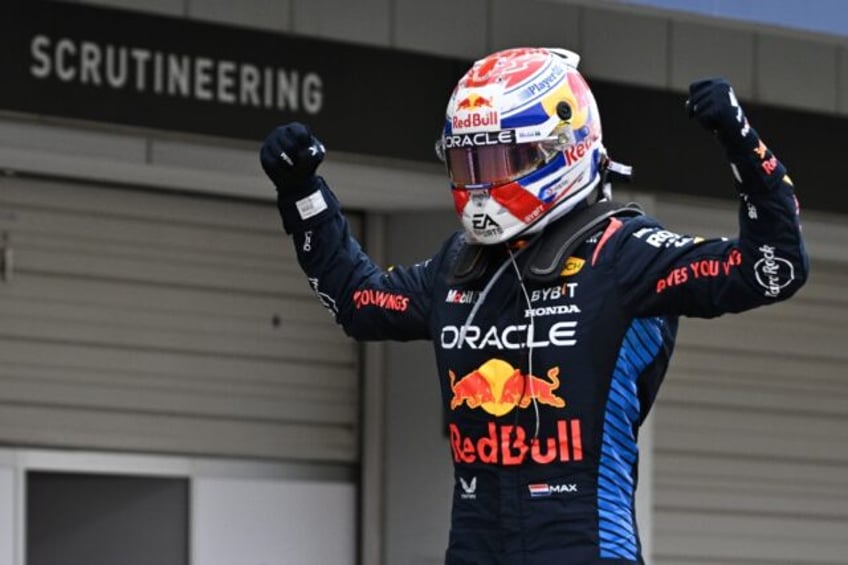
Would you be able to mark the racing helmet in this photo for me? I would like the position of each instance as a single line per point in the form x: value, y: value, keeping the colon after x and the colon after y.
x: 521, y: 142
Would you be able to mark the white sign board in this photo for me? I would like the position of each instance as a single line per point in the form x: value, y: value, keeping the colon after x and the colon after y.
x: 265, y: 522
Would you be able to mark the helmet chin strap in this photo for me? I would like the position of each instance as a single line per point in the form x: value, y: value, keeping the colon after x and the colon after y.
x: 613, y: 171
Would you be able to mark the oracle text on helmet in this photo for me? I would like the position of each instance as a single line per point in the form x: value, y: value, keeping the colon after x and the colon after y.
x: 480, y: 139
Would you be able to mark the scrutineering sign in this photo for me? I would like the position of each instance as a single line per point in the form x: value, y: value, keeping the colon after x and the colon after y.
x: 128, y: 68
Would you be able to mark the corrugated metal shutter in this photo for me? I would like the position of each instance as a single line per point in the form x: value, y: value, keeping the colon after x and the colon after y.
x: 751, y: 444
x: 167, y: 323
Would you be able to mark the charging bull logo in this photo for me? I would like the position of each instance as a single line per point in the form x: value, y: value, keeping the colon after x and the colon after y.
x: 497, y: 387
x: 474, y: 102
x: 475, y: 112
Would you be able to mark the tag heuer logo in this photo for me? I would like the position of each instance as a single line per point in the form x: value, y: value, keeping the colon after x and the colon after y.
x: 572, y: 266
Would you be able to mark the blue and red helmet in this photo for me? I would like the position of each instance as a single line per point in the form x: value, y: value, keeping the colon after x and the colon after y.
x: 522, y: 142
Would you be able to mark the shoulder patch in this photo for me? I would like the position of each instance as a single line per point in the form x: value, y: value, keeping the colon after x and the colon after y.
x: 614, y: 225
x: 572, y: 266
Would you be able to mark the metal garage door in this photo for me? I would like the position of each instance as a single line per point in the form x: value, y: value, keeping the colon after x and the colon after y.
x: 166, y: 323
x: 751, y: 444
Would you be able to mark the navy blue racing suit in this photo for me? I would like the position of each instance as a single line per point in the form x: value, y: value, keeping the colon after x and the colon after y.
x: 545, y: 392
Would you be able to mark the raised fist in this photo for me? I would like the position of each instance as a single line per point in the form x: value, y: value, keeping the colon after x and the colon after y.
x: 289, y: 156
x: 714, y: 105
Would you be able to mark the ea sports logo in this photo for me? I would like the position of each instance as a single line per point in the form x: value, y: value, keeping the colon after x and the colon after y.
x: 483, y: 222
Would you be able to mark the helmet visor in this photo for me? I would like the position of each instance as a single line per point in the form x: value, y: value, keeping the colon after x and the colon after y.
x: 483, y: 166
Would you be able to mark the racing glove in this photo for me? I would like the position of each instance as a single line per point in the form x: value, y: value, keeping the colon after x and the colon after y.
x: 290, y: 155
x: 713, y: 104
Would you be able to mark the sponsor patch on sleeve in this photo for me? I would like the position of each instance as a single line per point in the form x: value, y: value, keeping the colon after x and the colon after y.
x: 312, y: 205
x: 664, y: 239
x: 380, y: 299
x: 773, y: 273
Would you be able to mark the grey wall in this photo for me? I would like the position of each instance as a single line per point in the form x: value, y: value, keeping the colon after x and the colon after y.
x: 419, y: 474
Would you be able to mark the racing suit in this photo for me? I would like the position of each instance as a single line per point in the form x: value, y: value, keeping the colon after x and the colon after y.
x: 546, y: 386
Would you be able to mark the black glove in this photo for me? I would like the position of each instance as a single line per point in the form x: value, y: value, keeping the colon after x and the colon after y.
x: 289, y: 156
x: 713, y: 104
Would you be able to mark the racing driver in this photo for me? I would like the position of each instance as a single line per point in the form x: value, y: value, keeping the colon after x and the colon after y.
x: 553, y: 312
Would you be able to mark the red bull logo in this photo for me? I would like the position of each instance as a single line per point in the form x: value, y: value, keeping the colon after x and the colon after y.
x: 477, y: 120
x: 579, y: 88
x: 497, y: 387
x: 474, y: 102
x: 761, y: 150
x: 475, y: 112
x: 574, y: 153
x: 513, y: 445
